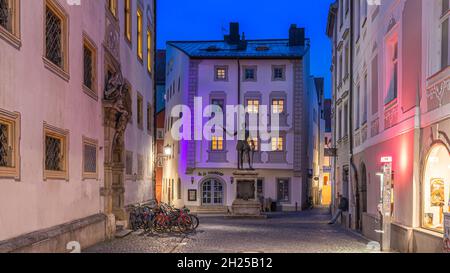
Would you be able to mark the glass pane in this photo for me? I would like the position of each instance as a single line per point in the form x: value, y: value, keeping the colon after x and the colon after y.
x: 4, y: 146
x: 53, y: 154
x: 90, y: 159
x: 53, y: 38
x: 444, y: 44
x: 88, y: 67
x: 5, y: 15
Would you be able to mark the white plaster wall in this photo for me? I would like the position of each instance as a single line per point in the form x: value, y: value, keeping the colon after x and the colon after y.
x: 26, y: 86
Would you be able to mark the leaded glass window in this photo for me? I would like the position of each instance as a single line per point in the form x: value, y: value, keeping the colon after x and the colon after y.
x: 53, y: 154
x: 90, y: 158
x: 53, y: 37
x: 4, y: 146
x: 88, y: 65
x: 6, y: 15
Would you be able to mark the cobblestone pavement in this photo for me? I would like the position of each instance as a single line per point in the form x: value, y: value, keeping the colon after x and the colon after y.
x: 302, y: 232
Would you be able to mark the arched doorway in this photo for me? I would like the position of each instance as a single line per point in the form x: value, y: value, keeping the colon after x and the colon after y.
x: 436, y: 187
x: 213, y: 193
x: 362, y: 196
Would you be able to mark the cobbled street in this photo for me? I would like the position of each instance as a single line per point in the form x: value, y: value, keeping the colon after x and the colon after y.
x: 302, y: 232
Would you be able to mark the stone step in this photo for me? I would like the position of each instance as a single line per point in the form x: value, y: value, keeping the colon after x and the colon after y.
x: 123, y: 233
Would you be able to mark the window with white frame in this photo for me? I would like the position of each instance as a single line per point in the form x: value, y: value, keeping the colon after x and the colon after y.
x: 364, y: 95
x: 392, y: 71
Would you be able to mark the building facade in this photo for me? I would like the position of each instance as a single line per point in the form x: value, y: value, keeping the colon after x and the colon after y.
x: 398, y: 101
x: 200, y: 173
x: 56, y: 136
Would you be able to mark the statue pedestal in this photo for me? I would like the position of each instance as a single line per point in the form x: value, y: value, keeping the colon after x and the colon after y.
x: 246, y: 203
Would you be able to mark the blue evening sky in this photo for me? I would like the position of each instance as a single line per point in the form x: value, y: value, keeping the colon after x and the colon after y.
x: 259, y: 19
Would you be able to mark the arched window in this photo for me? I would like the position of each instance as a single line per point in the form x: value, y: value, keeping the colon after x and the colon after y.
x: 212, y: 192
x: 436, y: 187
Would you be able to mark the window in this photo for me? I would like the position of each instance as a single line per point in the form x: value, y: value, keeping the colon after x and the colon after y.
x: 9, y: 144
x: 9, y: 21
x: 365, y: 91
x: 341, y: 12
x: 283, y: 190
x: 140, y: 114
x: 212, y: 192
x: 128, y: 20
x: 249, y: 73
x: 90, y: 155
x: 340, y: 68
x: 393, y: 72
x: 179, y: 189
x: 129, y: 163
x: 149, y: 117
x: 358, y: 101
x: 345, y: 120
x: 112, y: 6
x: 277, y: 144
x: 56, y: 152
x: 444, y: 21
x: 217, y: 143
x: 436, y: 188
x: 278, y: 73
x: 140, y: 167
x: 253, y: 106
x: 149, y: 51
x: 221, y: 73
x: 139, y: 34
x: 89, y: 68
x: 56, y: 46
x: 347, y: 61
x: 277, y: 106
x: 254, y: 143
x: 358, y: 19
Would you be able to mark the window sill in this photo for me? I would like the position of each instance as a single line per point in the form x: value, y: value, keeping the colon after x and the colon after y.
x: 91, y: 93
x: 55, y: 175
x: 10, y: 172
x: 89, y: 176
x: 10, y: 38
x: 56, y: 70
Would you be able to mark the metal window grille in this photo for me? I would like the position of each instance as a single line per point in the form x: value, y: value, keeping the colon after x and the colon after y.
x: 4, y: 147
x: 90, y: 158
x: 88, y: 67
x: 53, y: 154
x: 5, y: 15
x: 53, y: 38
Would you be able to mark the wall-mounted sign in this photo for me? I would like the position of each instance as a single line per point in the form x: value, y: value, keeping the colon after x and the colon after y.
x: 447, y: 232
x: 330, y: 152
x: 192, y: 195
x: 386, y: 159
x: 211, y: 173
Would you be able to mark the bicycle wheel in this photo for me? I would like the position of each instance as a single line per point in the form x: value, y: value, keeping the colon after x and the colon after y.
x: 195, y: 221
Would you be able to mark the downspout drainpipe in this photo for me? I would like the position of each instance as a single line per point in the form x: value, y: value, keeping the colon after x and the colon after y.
x: 350, y: 99
x: 155, y: 152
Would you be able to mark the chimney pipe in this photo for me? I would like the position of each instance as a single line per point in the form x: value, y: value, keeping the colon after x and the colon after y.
x: 233, y: 37
x: 296, y: 36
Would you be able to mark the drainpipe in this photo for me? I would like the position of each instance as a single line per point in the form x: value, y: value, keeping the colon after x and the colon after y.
x: 155, y: 147
x: 350, y: 116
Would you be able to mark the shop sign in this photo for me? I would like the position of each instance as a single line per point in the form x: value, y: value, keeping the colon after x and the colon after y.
x: 447, y: 232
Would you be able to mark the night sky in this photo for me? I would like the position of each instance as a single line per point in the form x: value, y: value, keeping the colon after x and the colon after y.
x: 259, y: 19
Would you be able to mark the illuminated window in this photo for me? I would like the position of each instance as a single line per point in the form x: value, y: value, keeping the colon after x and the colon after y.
x: 253, y: 106
x: 56, y: 152
x: 217, y: 143
x: 254, y: 144
x: 277, y: 144
x: 277, y: 106
x: 149, y: 51
x: 436, y: 191
x: 128, y: 20
x: 221, y: 73
x: 112, y: 6
x: 9, y: 144
x: 139, y: 34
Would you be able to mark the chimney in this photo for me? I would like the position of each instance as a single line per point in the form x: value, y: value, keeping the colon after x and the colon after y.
x: 233, y: 37
x: 296, y: 36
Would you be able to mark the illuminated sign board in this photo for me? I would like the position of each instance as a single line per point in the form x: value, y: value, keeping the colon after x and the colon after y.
x: 386, y: 159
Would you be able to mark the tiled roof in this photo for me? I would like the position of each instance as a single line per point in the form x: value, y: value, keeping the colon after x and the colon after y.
x: 256, y: 49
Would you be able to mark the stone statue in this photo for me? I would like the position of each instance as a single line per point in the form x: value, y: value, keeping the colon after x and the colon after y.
x: 117, y: 92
